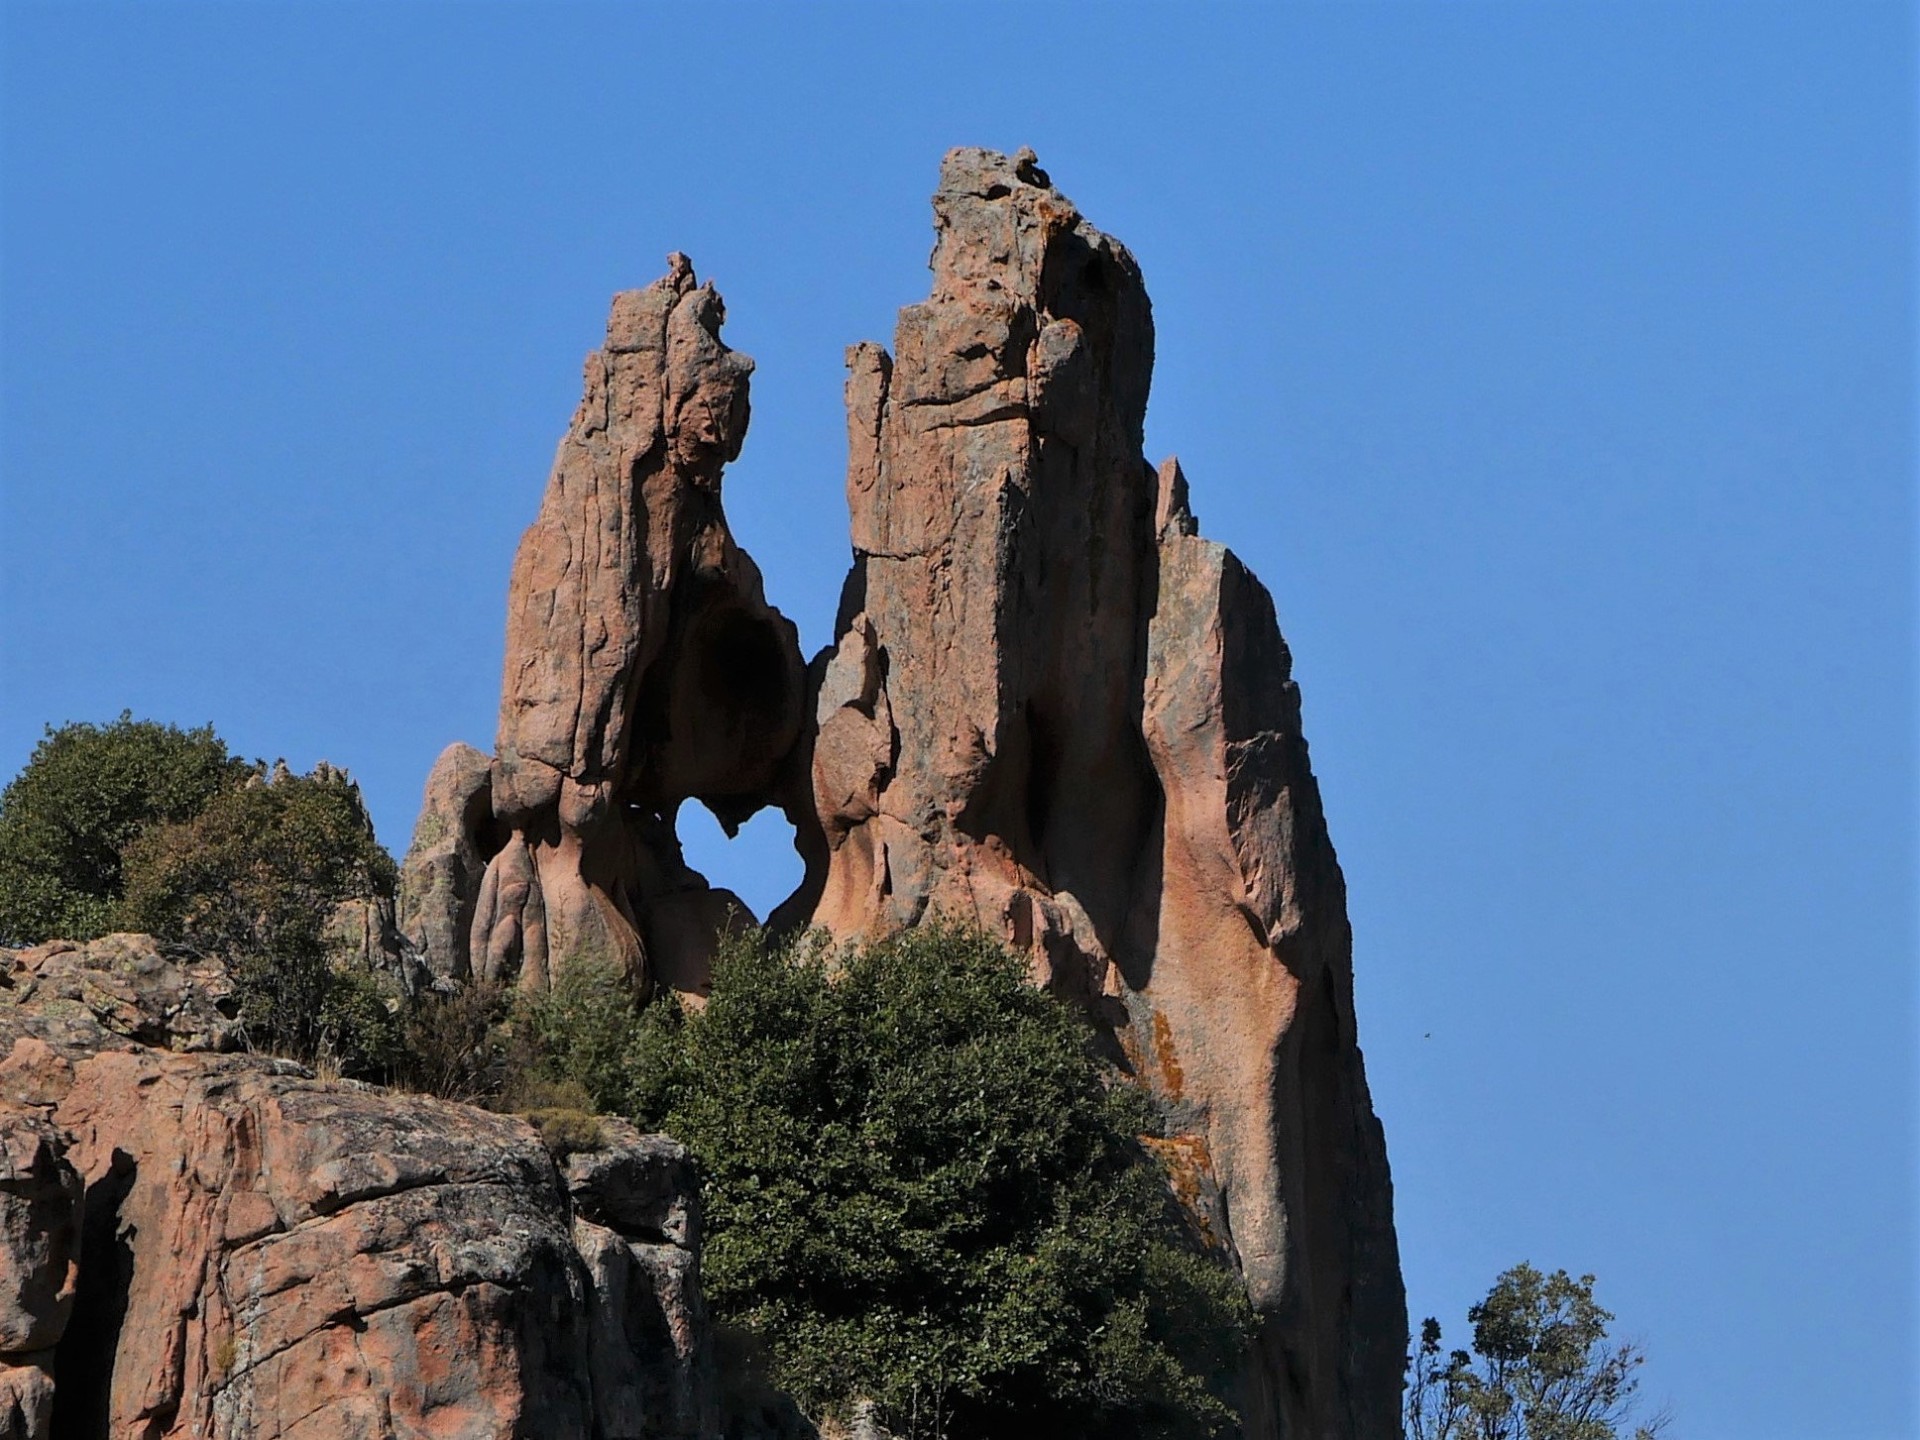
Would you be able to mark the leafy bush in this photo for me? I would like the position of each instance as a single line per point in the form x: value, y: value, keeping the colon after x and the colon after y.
x: 253, y: 877
x: 456, y: 1044
x: 83, y: 796
x: 587, y: 1031
x: 258, y: 869
x: 561, y: 1111
x: 920, y: 1190
x: 1541, y: 1368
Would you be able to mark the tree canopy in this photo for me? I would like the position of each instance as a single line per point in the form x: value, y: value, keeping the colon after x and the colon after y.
x: 921, y: 1191
x: 255, y: 877
x: 1542, y: 1368
x: 138, y: 825
x: 84, y: 795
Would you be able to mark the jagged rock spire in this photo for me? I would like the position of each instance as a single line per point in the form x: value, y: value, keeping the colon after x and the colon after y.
x: 1054, y: 710
x: 1050, y: 708
x: 643, y: 667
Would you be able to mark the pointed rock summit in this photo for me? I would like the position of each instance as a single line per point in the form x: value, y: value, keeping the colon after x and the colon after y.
x: 1051, y: 709
x: 1065, y: 716
x: 643, y: 667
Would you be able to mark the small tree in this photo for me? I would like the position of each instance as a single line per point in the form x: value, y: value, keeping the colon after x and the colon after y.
x: 1541, y: 1368
x: 253, y: 878
x: 921, y: 1190
x: 84, y: 795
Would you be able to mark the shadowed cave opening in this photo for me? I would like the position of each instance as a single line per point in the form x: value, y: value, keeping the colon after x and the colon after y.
x: 740, y: 668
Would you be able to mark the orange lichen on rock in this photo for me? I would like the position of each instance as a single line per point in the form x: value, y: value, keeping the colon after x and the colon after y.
x: 1189, y: 1168
x: 1172, y: 1081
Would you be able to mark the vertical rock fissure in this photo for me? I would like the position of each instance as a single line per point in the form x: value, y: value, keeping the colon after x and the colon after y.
x: 84, y: 1359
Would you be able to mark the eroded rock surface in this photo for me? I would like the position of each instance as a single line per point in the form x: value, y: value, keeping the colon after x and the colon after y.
x: 441, y: 876
x: 1054, y: 710
x: 1050, y: 708
x: 119, y: 990
x: 644, y: 666
x: 40, y: 1210
x: 196, y: 1244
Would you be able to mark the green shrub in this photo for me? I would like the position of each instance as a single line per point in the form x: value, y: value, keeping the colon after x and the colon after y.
x: 456, y: 1045
x: 921, y: 1191
x: 561, y: 1110
x: 83, y: 796
x: 586, y: 1031
x: 296, y: 1001
x: 258, y: 869
x: 253, y: 878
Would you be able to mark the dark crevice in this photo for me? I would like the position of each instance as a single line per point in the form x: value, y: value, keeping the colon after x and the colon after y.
x: 84, y: 1361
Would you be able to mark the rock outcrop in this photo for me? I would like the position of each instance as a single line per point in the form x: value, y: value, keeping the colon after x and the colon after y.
x: 108, y: 993
x: 206, y: 1244
x: 1050, y: 709
x: 40, y: 1210
x: 644, y: 665
x: 445, y: 866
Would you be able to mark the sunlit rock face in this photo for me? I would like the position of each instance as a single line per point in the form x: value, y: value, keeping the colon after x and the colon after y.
x: 644, y: 667
x: 1055, y: 710
x: 1051, y: 708
x: 203, y: 1244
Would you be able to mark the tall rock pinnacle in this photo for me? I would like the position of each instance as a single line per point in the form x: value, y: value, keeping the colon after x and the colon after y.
x: 643, y: 663
x: 1051, y: 709
x: 1054, y: 710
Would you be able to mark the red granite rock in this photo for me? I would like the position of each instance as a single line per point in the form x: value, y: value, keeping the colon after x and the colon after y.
x: 441, y: 876
x: 1051, y: 709
x: 1055, y: 711
x: 644, y: 666
x: 197, y: 1244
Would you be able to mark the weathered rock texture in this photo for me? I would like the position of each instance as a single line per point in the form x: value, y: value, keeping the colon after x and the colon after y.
x: 199, y: 1244
x: 445, y: 866
x: 643, y: 663
x: 1054, y: 710
x: 107, y: 993
x: 1050, y: 708
x: 40, y: 1209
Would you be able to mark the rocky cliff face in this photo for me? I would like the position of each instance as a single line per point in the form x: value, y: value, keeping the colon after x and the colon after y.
x: 196, y: 1243
x: 1051, y: 708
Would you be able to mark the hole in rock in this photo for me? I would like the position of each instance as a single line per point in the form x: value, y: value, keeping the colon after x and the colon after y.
x: 759, y: 864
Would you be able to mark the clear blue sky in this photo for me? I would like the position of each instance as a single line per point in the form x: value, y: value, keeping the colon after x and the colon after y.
x: 1552, y: 363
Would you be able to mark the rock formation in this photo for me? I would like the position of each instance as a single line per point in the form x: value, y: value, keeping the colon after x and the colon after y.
x: 643, y: 663
x: 447, y: 862
x: 263, y: 1254
x: 40, y: 1209
x: 1056, y: 711
x: 1051, y: 709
